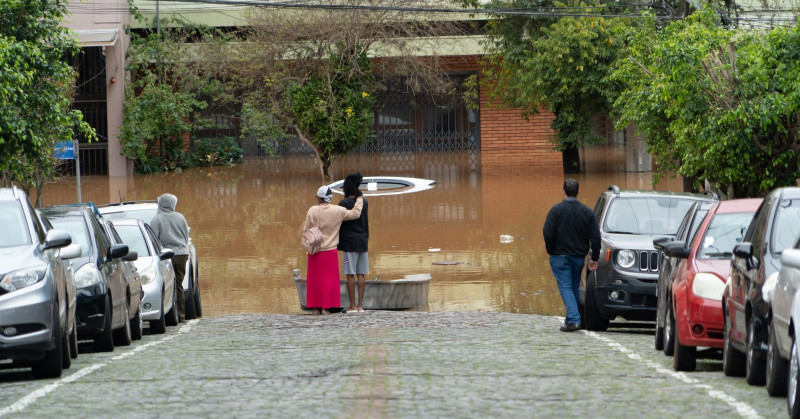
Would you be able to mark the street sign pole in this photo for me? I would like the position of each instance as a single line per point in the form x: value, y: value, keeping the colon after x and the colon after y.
x: 77, y: 168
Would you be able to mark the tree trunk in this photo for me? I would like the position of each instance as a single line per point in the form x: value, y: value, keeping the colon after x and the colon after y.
x: 571, y: 159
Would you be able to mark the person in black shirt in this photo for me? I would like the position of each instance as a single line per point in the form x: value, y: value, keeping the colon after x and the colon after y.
x: 353, y: 238
x: 569, y: 230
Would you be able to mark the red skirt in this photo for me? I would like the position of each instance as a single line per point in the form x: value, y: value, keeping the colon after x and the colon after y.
x: 322, y: 286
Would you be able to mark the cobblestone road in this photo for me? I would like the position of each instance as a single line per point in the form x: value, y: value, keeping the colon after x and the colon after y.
x: 385, y: 365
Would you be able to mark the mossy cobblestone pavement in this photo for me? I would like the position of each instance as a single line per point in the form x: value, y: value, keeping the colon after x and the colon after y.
x: 385, y: 364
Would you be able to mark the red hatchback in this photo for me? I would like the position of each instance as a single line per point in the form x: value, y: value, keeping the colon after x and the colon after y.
x: 700, y: 279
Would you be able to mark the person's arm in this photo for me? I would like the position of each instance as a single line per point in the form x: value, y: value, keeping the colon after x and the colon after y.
x: 356, y: 211
x: 549, y: 230
x: 308, y: 224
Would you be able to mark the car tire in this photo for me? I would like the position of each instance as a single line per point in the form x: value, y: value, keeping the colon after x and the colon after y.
x: 732, y: 360
x: 66, y: 353
x: 659, y: 338
x: 159, y: 326
x: 104, y: 342
x: 198, y: 306
x: 755, y: 365
x: 685, y: 357
x: 592, y: 317
x: 52, y: 365
x: 122, y: 336
x: 776, y: 367
x: 136, y: 325
x: 73, y: 340
x: 191, y: 312
x: 669, y: 331
x: 172, y: 315
x: 792, y: 389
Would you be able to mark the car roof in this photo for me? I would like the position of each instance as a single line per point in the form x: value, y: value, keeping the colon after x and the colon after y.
x: 739, y: 205
x: 64, y: 210
x: 637, y: 193
x: 127, y: 205
x: 9, y: 194
x: 125, y: 221
x: 789, y: 192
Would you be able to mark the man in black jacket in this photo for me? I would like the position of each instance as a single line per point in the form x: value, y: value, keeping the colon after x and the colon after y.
x: 569, y: 230
x: 353, y: 239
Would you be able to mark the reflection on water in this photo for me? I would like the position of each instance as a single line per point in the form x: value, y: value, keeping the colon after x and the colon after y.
x: 246, y: 223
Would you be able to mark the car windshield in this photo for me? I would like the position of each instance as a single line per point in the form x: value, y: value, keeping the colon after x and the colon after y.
x: 132, y: 236
x: 13, y: 221
x: 145, y: 214
x: 654, y: 215
x: 76, y: 227
x: 724, y: 232
x: 787, y: 227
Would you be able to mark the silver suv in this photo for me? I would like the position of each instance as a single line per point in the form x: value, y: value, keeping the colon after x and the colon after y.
x: 37, y: 290
x: 625, y: 281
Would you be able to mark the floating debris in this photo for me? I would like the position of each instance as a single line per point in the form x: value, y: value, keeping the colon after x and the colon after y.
x: 447, y: 262
x: 505, y: 238
x: 434, y: 249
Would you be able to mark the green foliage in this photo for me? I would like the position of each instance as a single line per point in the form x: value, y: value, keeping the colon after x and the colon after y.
x: 558, y: 65
x: 716, y: 105
x: 35, y: 89
x: 219, y: 151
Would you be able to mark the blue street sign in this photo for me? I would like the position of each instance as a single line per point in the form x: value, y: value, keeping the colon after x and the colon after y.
x: 64, y: 150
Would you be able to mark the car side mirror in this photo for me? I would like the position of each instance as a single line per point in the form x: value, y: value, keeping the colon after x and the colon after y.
x: 659, y: 242
x: 744, y: 250
x: 117, y: 251
x: 131, y: 256
x: 676, y: 249
x: 791, y: 258
x: 166, y: 254
x: 70, y: 252
x: 56, y: 239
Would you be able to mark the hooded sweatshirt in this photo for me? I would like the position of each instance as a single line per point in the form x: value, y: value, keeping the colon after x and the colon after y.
x: 170, y: 226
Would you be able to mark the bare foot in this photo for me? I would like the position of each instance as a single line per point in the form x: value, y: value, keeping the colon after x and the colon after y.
x: 353, y: 309
x: 325, y: 312
x: 316, y: 312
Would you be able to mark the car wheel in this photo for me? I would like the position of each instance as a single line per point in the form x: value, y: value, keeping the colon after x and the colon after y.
x: 792, y: 389
x: 73, y: 340
x: 52, y: 364
x: 776, y: 367
x: 159, y: 326
x: 685, y: 358
x: 122, y: 336
x: 136, y: 325
x: 172, y: 315
x: 104, y: 342
x: 66, y: 355
x: 592, y: 318
x: 191, y: 312
x: 755, y: 371
x: 198, y: 307
x: 659, y: 339
x: 732, y: 360
x: 669, y: 331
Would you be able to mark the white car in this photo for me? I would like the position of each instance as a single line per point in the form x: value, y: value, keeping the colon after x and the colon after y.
x: 790, y: 273
x: 159, y: 305
x: 145, y: 210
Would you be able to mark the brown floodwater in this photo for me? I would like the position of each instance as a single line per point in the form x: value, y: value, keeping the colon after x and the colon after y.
x: 246, y: 223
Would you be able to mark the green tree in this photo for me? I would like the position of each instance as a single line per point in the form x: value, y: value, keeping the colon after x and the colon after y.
x: 35, y: 87
x: 561, y: 65
x: 716, y: 105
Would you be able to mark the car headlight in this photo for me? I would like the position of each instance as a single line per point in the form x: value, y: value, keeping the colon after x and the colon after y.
x: 626, y: 258
x: 86, y: 276
x: 148, y: 275
x: 22, y: 278
x: 708, y: 286
x: 768, y: 289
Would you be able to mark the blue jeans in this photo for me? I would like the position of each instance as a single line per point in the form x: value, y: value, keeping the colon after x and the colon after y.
x: 567, y: 270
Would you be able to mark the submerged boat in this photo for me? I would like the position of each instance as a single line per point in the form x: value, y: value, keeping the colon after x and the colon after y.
x: 408, y: 292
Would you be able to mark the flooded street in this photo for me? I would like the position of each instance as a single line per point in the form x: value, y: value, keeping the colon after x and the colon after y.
x: 246, y: 223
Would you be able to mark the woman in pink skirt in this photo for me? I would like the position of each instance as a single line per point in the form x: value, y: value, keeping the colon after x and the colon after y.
x: 322, y: 278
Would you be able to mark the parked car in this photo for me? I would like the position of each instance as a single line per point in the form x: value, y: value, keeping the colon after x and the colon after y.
x: 669, y: 267
x: 145, y: 210
x: 780, y: 289
x: 746, y: 312
x: 135, y: 293
x: 790, y: 274
x: 37, y: 319
x: 693, y: 301
x: 103, y: 291
x: 624, y: 283
x: 159, y: 306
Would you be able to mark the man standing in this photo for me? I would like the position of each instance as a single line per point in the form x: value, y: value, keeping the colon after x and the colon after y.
x: 569, y: 229
x: 173, y: 233
x: 353, y: 239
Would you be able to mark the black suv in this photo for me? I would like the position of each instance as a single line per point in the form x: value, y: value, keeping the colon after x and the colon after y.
x: 107, y: 301
x: 624, y: 283
x: 775, y: 226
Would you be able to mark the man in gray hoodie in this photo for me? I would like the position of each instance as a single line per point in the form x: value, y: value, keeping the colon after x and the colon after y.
x: 172, y: 230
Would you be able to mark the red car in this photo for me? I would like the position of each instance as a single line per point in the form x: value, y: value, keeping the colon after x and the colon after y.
x: 700, y: 279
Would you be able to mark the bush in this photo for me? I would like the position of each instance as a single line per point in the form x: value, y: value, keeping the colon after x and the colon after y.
x: 216, y: 151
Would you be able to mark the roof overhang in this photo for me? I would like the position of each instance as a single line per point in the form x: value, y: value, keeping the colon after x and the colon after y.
x: 97, y: 37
